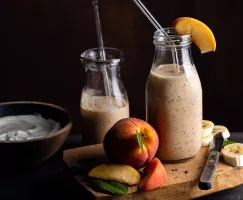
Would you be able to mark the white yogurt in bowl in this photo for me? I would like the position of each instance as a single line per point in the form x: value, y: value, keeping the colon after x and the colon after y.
x: 26, y: 127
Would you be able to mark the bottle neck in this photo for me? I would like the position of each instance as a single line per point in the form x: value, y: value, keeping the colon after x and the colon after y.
x: 91, y: 59
x: 172, y: 48
x: 170, y: 38
x: 180, y: 56
x: 97, y: 68
x: 103, y: 76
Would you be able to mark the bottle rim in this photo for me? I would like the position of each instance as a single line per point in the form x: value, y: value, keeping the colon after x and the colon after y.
x: 174, y: 39
x: 114, y: 56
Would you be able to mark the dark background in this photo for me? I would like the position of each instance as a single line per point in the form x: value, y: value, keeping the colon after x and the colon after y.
x: 41, y: 41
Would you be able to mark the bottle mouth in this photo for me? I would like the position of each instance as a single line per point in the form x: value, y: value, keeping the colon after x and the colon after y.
x: 114, y: 57
x: 172, y: 39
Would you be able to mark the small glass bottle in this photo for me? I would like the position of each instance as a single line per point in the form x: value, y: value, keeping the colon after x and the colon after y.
x: 104, y: 99
x: 174, y: 98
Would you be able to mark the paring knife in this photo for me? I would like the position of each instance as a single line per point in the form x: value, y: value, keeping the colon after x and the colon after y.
x: 207, y: 176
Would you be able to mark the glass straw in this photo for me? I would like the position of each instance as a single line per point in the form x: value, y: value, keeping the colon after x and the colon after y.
x: 101, y: 48
x: 155, y: 23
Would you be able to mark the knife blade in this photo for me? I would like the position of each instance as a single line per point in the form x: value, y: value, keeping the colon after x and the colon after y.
x: 207, y: 177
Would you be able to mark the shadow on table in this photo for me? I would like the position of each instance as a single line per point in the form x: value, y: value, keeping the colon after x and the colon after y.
x: 232, y: 194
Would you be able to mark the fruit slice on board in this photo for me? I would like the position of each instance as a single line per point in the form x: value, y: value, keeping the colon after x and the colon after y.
x: 155, y: 176
x: 233, y: 154
x: 116, y: 172
x: 206, y: 140
x: 219, y: 128
x: 201, y: 34
x: 207, y: 128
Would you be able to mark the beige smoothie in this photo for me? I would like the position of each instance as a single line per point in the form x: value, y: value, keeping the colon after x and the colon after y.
x: 174, y: 109
x: 99, y: 114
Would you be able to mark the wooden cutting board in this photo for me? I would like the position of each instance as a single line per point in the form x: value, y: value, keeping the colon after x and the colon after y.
x: 182, y: 178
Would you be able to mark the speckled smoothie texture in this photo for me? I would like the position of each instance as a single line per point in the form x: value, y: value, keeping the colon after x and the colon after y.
x: 174, y: 109
x: 99, y: 114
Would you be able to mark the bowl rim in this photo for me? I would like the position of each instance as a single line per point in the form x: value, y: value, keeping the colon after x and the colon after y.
x: 67, y: 127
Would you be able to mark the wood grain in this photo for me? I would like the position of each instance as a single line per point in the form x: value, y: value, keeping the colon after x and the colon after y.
x: 182, y: 177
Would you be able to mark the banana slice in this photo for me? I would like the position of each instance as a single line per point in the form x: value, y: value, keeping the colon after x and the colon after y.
x: 206, y: 140
x: 233, y: 154
x: 207, y: 127
x: 218, y: 128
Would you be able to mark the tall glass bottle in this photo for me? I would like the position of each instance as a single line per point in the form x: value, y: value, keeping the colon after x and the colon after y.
x: 174, y: 98
x: 104, y: 99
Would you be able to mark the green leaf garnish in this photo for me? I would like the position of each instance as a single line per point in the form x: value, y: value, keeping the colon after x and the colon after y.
x: 140, y: 140
x: 112, y: 187
x: 227, y: 143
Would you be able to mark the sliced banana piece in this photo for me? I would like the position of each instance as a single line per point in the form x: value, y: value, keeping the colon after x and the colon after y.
x: 207, y: 127
x: 218, y: 128
x: 233, y: 154
x: 206, y: 140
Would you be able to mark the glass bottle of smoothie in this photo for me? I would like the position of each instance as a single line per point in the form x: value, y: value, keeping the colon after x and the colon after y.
x: 174, y: 98
x: 104, y: 99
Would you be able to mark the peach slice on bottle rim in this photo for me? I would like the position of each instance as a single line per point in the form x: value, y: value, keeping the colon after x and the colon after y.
x: 201, y: 34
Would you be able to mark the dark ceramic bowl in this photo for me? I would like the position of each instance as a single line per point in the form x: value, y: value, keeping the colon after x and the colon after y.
x: 34, y: 151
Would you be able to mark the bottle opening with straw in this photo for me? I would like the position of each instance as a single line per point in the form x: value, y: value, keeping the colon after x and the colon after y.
x: 173, y: 94
x: 104, y: 99
x: 160, y: 30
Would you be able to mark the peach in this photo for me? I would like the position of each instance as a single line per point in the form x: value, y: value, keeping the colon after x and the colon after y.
x: 121, y: 142
x: 201, y: 34
x: 155, y: 176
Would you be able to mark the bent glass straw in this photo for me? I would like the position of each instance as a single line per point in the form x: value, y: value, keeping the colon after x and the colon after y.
x: 101, y: 48
x: 150, y: 17
x: 155, y: 23
x: 98, y: 30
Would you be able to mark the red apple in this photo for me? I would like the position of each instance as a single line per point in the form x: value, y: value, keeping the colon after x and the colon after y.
x: 121, y: 142
x: 155, y: 176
